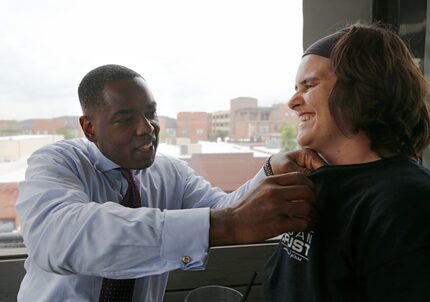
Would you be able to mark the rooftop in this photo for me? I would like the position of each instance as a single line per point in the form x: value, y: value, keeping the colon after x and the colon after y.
x: 14, y: 171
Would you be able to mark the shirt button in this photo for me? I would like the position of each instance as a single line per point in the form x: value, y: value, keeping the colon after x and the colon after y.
x: 186, y: 259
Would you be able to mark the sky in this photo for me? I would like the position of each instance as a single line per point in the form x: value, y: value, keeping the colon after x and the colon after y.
x: 196, y: 55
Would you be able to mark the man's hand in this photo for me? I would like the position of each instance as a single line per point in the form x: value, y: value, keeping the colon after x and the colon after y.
x: 281, y: 203
x: 304, y: 160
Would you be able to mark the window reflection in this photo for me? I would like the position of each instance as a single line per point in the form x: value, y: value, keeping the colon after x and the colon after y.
x: 221, y: 86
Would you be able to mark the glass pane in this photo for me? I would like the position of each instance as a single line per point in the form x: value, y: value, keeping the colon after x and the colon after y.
x: 216, y: 69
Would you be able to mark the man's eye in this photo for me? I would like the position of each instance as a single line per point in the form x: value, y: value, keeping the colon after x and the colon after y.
x: 126, y: 120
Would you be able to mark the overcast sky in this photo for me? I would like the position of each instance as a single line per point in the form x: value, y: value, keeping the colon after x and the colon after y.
x: 195, y: 54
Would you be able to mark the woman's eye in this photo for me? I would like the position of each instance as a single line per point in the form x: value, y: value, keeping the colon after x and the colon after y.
x: 151, y: 115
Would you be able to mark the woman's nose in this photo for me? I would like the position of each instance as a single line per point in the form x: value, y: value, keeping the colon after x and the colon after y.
x: 295, y: 101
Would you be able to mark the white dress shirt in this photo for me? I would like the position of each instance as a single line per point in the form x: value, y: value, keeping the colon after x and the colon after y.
x: 76, y: 232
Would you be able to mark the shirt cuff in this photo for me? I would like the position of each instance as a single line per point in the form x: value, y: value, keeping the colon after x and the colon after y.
x: 185, y: 237
x: 257, y: 178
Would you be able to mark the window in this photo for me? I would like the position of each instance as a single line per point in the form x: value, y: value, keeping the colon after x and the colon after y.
x: 264, y: 129
x: 253, y: 116
x: 191, y: 61
x: 265, y: 116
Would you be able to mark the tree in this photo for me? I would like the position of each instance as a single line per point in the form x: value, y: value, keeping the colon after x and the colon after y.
x: 218, y: 133
x: 67, y: 133
x: 288, y: 137
x: 162, y: 136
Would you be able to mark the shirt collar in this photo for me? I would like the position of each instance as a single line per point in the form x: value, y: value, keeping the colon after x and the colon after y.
x: 101, y: 162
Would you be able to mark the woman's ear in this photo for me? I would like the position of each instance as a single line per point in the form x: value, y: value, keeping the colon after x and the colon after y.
x: 88, y: 128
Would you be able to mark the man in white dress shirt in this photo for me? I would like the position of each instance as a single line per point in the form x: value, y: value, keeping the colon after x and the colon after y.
x: 77, y: 233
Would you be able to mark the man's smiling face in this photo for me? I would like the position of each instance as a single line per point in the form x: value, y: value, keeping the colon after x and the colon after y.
x: 125, y: 127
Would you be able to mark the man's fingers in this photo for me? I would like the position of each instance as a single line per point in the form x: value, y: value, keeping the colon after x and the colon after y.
x: 298, y: 209
x: 303, y: 160
x: 292, y: 178
x: 296, y: 193
x: 307, y: 159
x: 312, y: 160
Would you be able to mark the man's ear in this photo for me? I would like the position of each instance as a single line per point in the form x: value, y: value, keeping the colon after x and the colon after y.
x: 88, y: 128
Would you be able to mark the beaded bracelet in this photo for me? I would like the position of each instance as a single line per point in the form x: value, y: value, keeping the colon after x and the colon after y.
x: 267, y: 167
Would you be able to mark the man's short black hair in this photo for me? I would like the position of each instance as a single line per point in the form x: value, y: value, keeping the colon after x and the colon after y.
x: 90, y: 89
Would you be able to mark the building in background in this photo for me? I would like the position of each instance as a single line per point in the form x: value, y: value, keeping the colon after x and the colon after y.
x: 9, y: 221
x: 244, y: 123
x: 237, y: 104
x: 13, y: 148
x: 220, y: 124
x: 194, y: 126
x: 252, y: 124
x: 168, y: 127
x: 14, y: 151
x: 68, y: 126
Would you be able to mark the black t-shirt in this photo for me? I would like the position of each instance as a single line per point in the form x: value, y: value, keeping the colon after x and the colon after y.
x: 371, y: 241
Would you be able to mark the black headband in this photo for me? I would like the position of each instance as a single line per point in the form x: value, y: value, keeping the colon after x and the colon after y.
x: 323, y: 46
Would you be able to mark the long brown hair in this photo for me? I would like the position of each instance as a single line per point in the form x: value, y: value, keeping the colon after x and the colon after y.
x: 380, y: 91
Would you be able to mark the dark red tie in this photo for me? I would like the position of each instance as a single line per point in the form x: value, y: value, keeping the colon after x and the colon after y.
x: 114, y: 290
x: 132, y: 197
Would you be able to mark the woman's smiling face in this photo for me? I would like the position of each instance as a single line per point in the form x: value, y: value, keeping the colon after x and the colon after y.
x: 317, y: 129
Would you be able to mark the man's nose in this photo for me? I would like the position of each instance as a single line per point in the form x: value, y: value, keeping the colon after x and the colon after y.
x: 144, y: 126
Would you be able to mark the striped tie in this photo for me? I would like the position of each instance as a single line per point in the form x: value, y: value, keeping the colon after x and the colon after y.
x: 122, y: 290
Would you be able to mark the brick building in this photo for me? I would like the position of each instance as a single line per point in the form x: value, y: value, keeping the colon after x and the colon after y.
x: 237, y: 104
x: 193, y: 125
x: 245, y: 122
x: 67, y: 126
x: 220, y: 123
x: 226, y: 170
x: 251, y: 123
x: 168, y: 127
x: 8, y: 217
